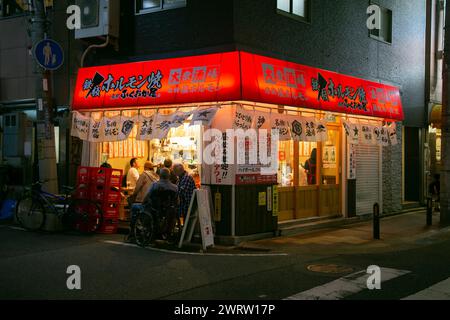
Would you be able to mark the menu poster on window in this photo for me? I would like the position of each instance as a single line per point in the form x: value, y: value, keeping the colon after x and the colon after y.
x: 96, y: 132
x: 145, y: 128
x: 351, y: 163
x: 224, y: 173
x: 80, y: 126
x: 243, y: 119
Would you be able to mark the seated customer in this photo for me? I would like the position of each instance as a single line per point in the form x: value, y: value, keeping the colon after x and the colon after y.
x: 144, y: 183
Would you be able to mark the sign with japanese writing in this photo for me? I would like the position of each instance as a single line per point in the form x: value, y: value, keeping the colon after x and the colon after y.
x: 281, y: 123
x: 223, y: 173
x: 203, y: 116
x: 96, y: 130
x: 367, y: 135
x: 213, y: 77
x: 243, y: 119
x: 145, y: 128
x: 351, y: 162
x: 162, y: 125
x: 80, y: 125
x: 351, y: 131
x: 111, y: 128
x: 233, y: 76
x: 384, y: 134
x: 261, y: 120
x: 392, y: 131
x: 281, y: 82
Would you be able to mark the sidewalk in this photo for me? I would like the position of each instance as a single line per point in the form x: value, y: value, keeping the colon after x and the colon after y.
x: 398, y: 232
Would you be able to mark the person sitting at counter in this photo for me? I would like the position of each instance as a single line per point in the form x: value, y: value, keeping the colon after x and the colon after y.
x: 133, y: 173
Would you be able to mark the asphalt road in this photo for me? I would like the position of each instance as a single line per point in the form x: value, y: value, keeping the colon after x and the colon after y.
x: 33, y: 266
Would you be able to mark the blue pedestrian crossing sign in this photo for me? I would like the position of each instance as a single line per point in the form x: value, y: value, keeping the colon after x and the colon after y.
x: 48, y: 54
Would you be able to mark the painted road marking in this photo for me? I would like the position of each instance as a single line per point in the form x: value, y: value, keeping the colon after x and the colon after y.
x: 198, y: 253
x: 345, y: 286
x: 439, y: 291
x: 18, y: 228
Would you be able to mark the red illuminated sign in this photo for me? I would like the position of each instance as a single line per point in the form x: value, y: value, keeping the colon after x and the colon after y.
x: 232, y: 76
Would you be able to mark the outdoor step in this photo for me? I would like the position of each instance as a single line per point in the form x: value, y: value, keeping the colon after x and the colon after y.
x: 307, y: 226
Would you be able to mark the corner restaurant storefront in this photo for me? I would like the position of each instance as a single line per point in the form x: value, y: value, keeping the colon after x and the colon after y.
x: 157, y: 109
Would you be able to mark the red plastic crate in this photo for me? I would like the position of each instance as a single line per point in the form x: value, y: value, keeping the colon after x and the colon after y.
x: 82, y: 192
x: 110, y: 210
x: 109, y: 226
x: 100, y: 175
x: 83, y: 175
x: 97, y: 192
x: 113, y: 195
x: 115, y: 178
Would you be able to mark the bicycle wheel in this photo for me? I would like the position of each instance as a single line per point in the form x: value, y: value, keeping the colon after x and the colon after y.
x: 84, y: 216
x: 144, y: 229
x: 30, y: 213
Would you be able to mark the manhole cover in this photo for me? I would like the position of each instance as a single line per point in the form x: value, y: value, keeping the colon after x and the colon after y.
x: 329, y: 268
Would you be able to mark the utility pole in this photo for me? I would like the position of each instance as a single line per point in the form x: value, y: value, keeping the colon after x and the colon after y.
x: 445, y: 172
x: 45, y: 133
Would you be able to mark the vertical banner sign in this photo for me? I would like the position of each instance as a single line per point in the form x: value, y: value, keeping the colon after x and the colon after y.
x: 392, y: 130
x: 203, y: 116
x: 145, y: 128
x: 126, y: 126
x: 96, y: 130
x: 242, y: 119
x: 275, y: 201
x: 111, y: 128
x: 217, y: 207
x: 367, y: 134
x: 281, y: 123
x: 162, y: 125
x: 321, y: 131
x: 297, y: 128
x: 384, y: 136
x: 351, y: 168
x: 80, y: 126
x: 178, y: 118
x: 352, y: 132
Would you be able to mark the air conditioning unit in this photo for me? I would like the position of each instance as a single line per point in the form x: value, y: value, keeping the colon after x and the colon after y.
x: 98, y: 18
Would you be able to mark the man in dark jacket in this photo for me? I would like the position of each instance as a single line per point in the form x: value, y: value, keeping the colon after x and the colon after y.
x: 162, y: 198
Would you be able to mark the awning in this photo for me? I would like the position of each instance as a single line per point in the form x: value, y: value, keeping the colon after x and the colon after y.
x: 435, y: 119
x: 232, y: 76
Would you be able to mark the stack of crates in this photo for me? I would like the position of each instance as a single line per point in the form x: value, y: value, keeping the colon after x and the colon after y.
x: 102, y: 185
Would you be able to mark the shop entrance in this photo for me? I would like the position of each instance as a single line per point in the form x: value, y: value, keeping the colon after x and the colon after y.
x: 310, y: 177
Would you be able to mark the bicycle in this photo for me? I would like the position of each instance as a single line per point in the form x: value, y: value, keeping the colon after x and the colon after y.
x: 82, y: 215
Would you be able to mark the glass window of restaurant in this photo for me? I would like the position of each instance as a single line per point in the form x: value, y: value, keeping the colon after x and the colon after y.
x: 180, y: 145
x: 309, y: 175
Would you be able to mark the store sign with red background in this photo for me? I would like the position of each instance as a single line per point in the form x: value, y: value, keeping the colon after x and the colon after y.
x: 232, y: 76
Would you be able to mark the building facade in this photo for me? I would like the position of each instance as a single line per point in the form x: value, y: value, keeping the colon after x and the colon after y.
x: 328, y: 35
